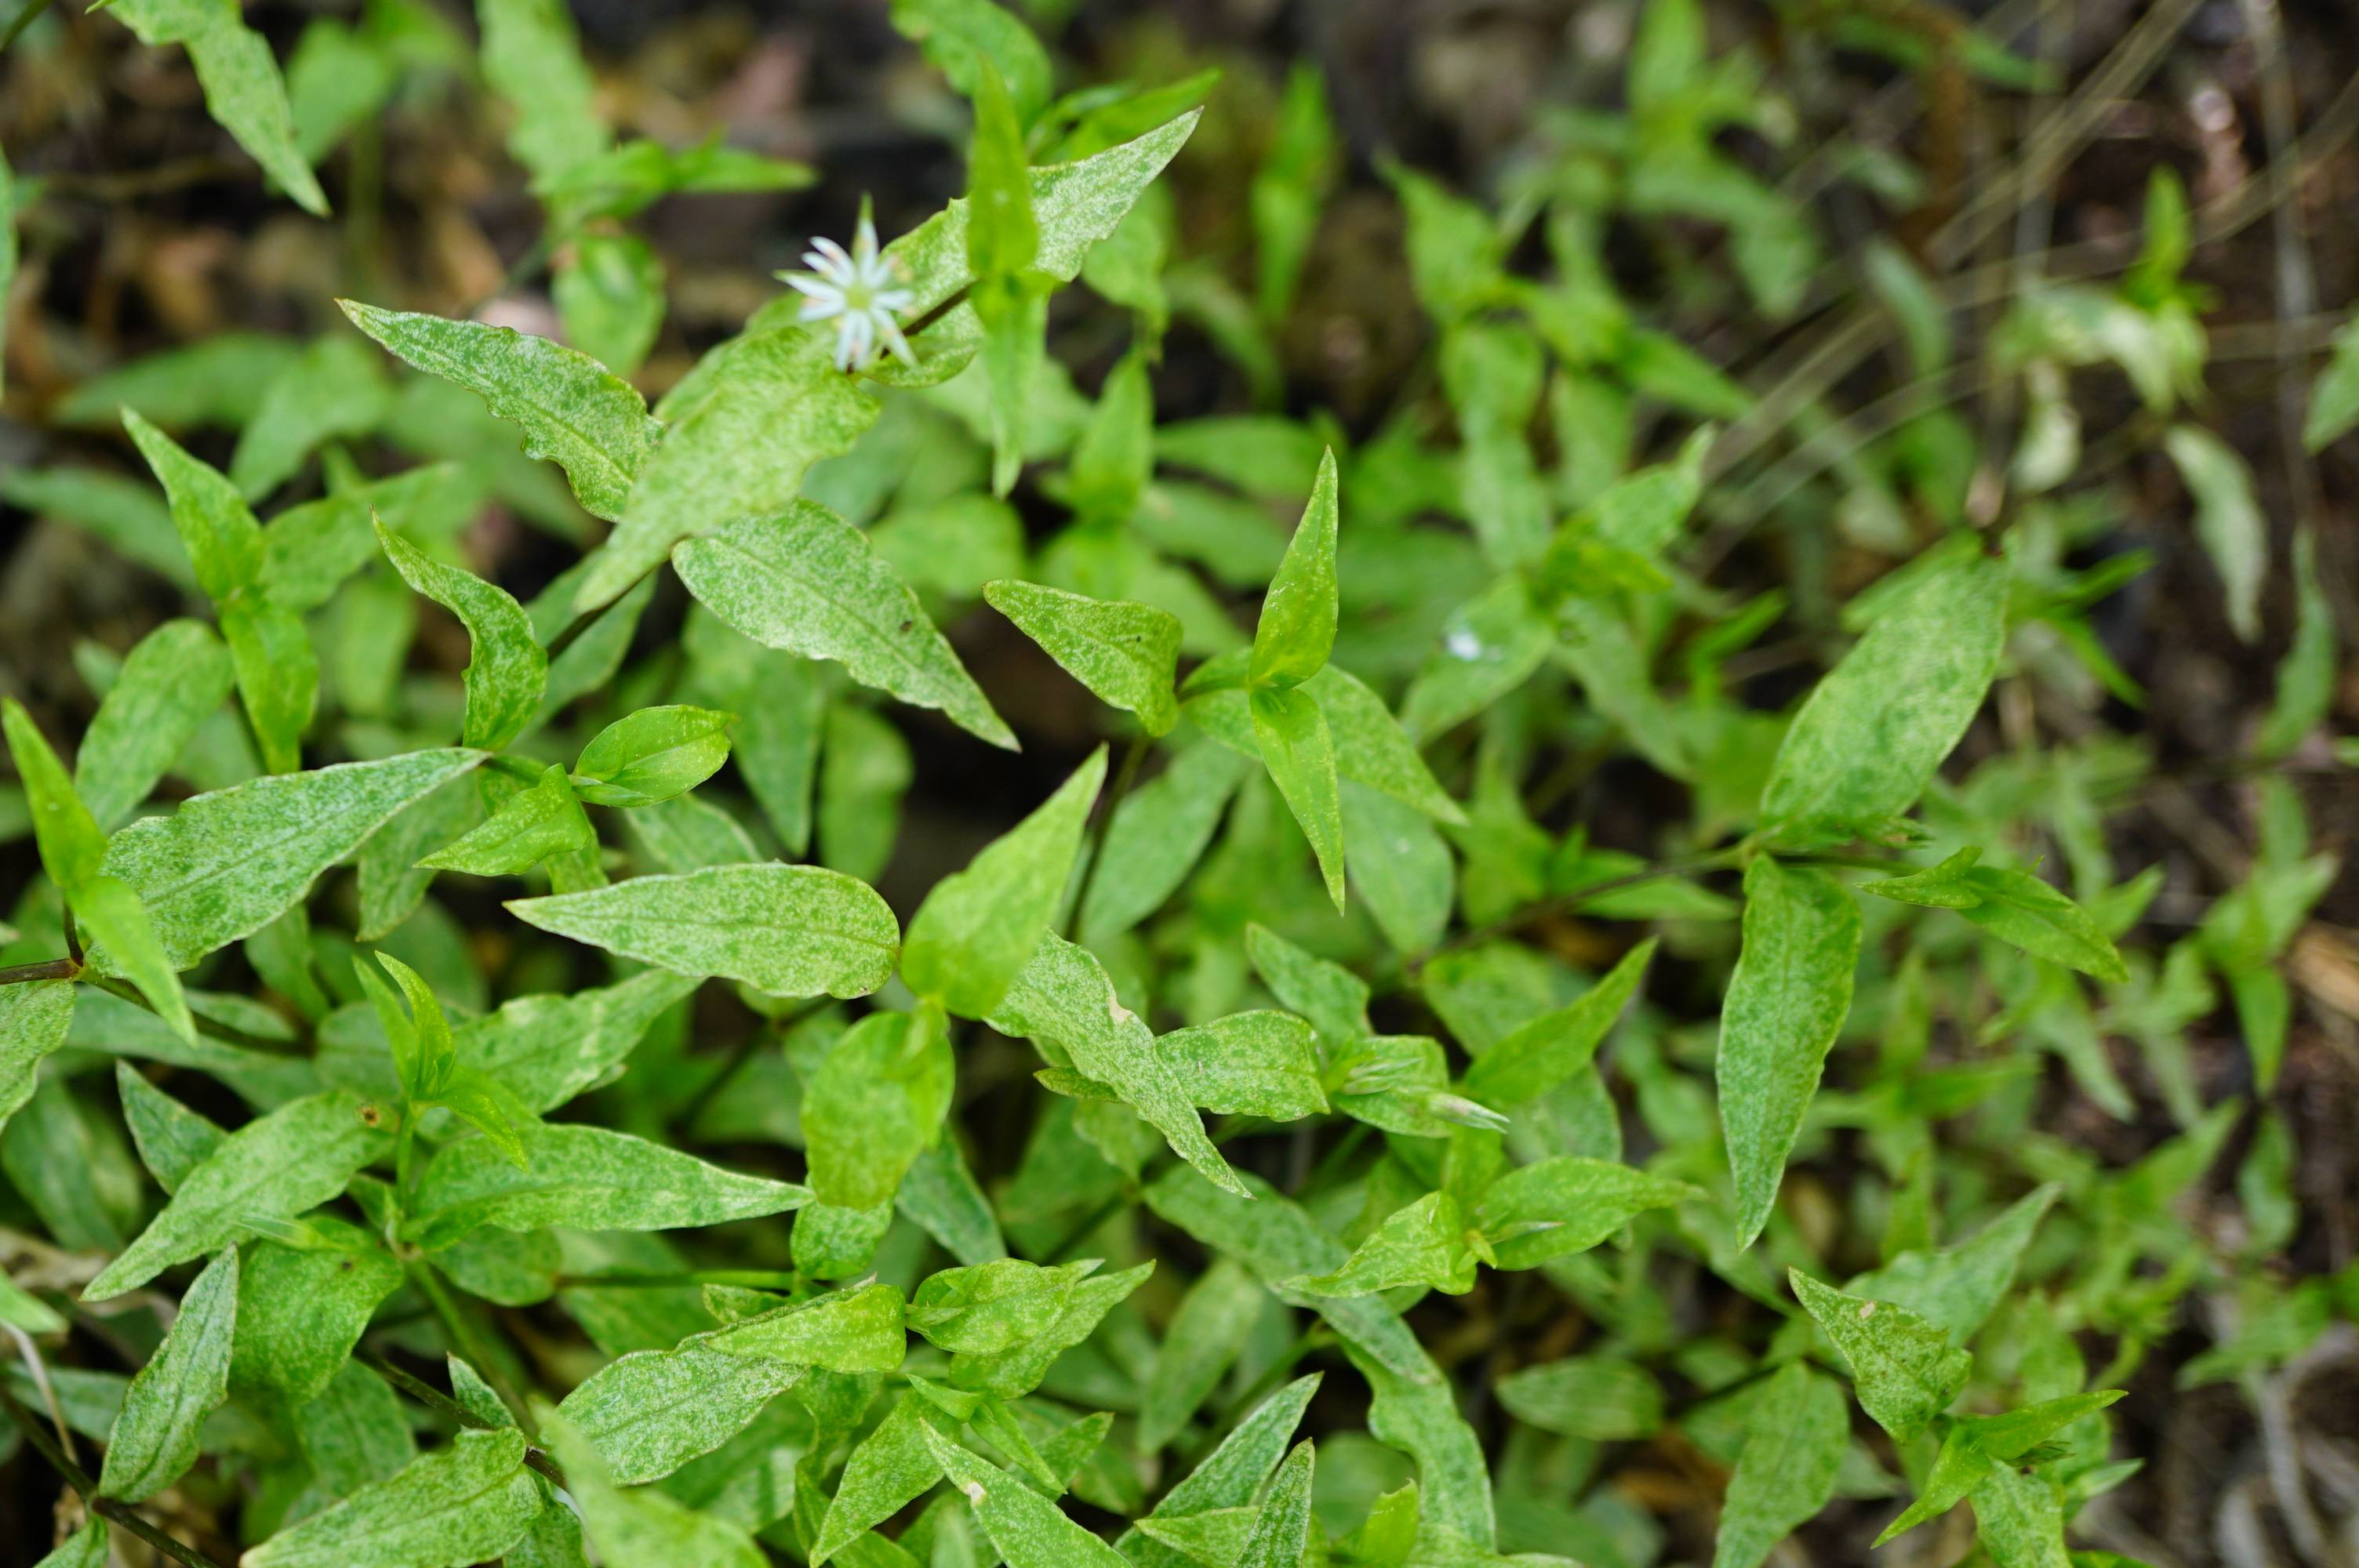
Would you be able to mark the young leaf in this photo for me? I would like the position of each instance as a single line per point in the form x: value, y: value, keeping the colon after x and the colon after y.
x: 642, y: 1526
x: 1232, y: 1473
x: 506, y: 677
x: 1785, y: 1001
x: 531, y: 825
x: 1063, y: 999
x: 274, y: 1167
x: 154, y: 1440
x: 1903, y: 1368
x: 1125, y: 652
x: 243, y: 88
x: 1549, y: 1049
x: 1002, y: 239
x: 1871, y: 733
x: 1292, y: 734
x: 1281, y: 1530
x: 224, y: 865
x: 1795, y: 1441
x: 787, y: 930
x: 216, y: 527
x: 2015, y: 906
x: 807, y: 582
x: 652, y: 756
x: 1296, y: 630
x: 572, y: 410
x: 586, y: 1178
x: 979, y: 928
x: 177, y: 677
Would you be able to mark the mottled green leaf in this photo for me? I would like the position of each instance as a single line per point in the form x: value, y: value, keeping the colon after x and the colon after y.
x: 222, y: 866
x: 807, y: 581
x: 457, y: 1505
x: 177, y: 675
x: 506, y: 677
x: 1903, y: 1368
x: 272, y: 1168
x: 1064, y: 1001
x: 790, y: 930
x: 1794, y: 1446
x: 980, y: 926
x: 652, y: 756
x: 586, y: 1178
x: 572, y: 410
x: 243, y: 90
x: 154, y: 1440
x: 1292, y: 732
x: 1871, y: 733
x: 1125, y: 652
x: 1785, y: 1001
x: 1548, y: 1050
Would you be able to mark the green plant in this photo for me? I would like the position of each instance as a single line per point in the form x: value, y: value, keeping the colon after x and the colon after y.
x: 1356, y: 1052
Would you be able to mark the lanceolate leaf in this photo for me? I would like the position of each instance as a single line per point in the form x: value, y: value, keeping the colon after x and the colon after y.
x: 1296, y: 630
x: 224, y: 865
x: 1029, y: 1530
x: 1281, y: 1531
x: 1793, y: 1447
x: 1549, y: 1049
x: 790, y: 930
x: 807, y: 581
x: 571, y: 409
x: 506, y: 676
x: 1297, y: 750
x: 1064, y: 1001
x: 653, y: 1410
x: 1904, y: 1368
x: 1787, y: 1000
x: 243, y: 88
x: 272, y: 1168
x: 588, y: 1178
x: 1871, y: 733
x: 1125, y: 653
x: 154, y: 1438
x: 980, y: 926
x: 178, y: 674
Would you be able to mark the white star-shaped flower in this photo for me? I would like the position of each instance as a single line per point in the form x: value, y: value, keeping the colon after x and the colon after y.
x: 859, y: 291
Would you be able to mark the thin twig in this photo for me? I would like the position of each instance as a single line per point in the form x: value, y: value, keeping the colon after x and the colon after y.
x: 39, y: 1370
x: 46, y: 969
x: 108, y: 1509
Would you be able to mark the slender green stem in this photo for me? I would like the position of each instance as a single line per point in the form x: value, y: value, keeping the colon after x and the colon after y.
x: 111, y: 1510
